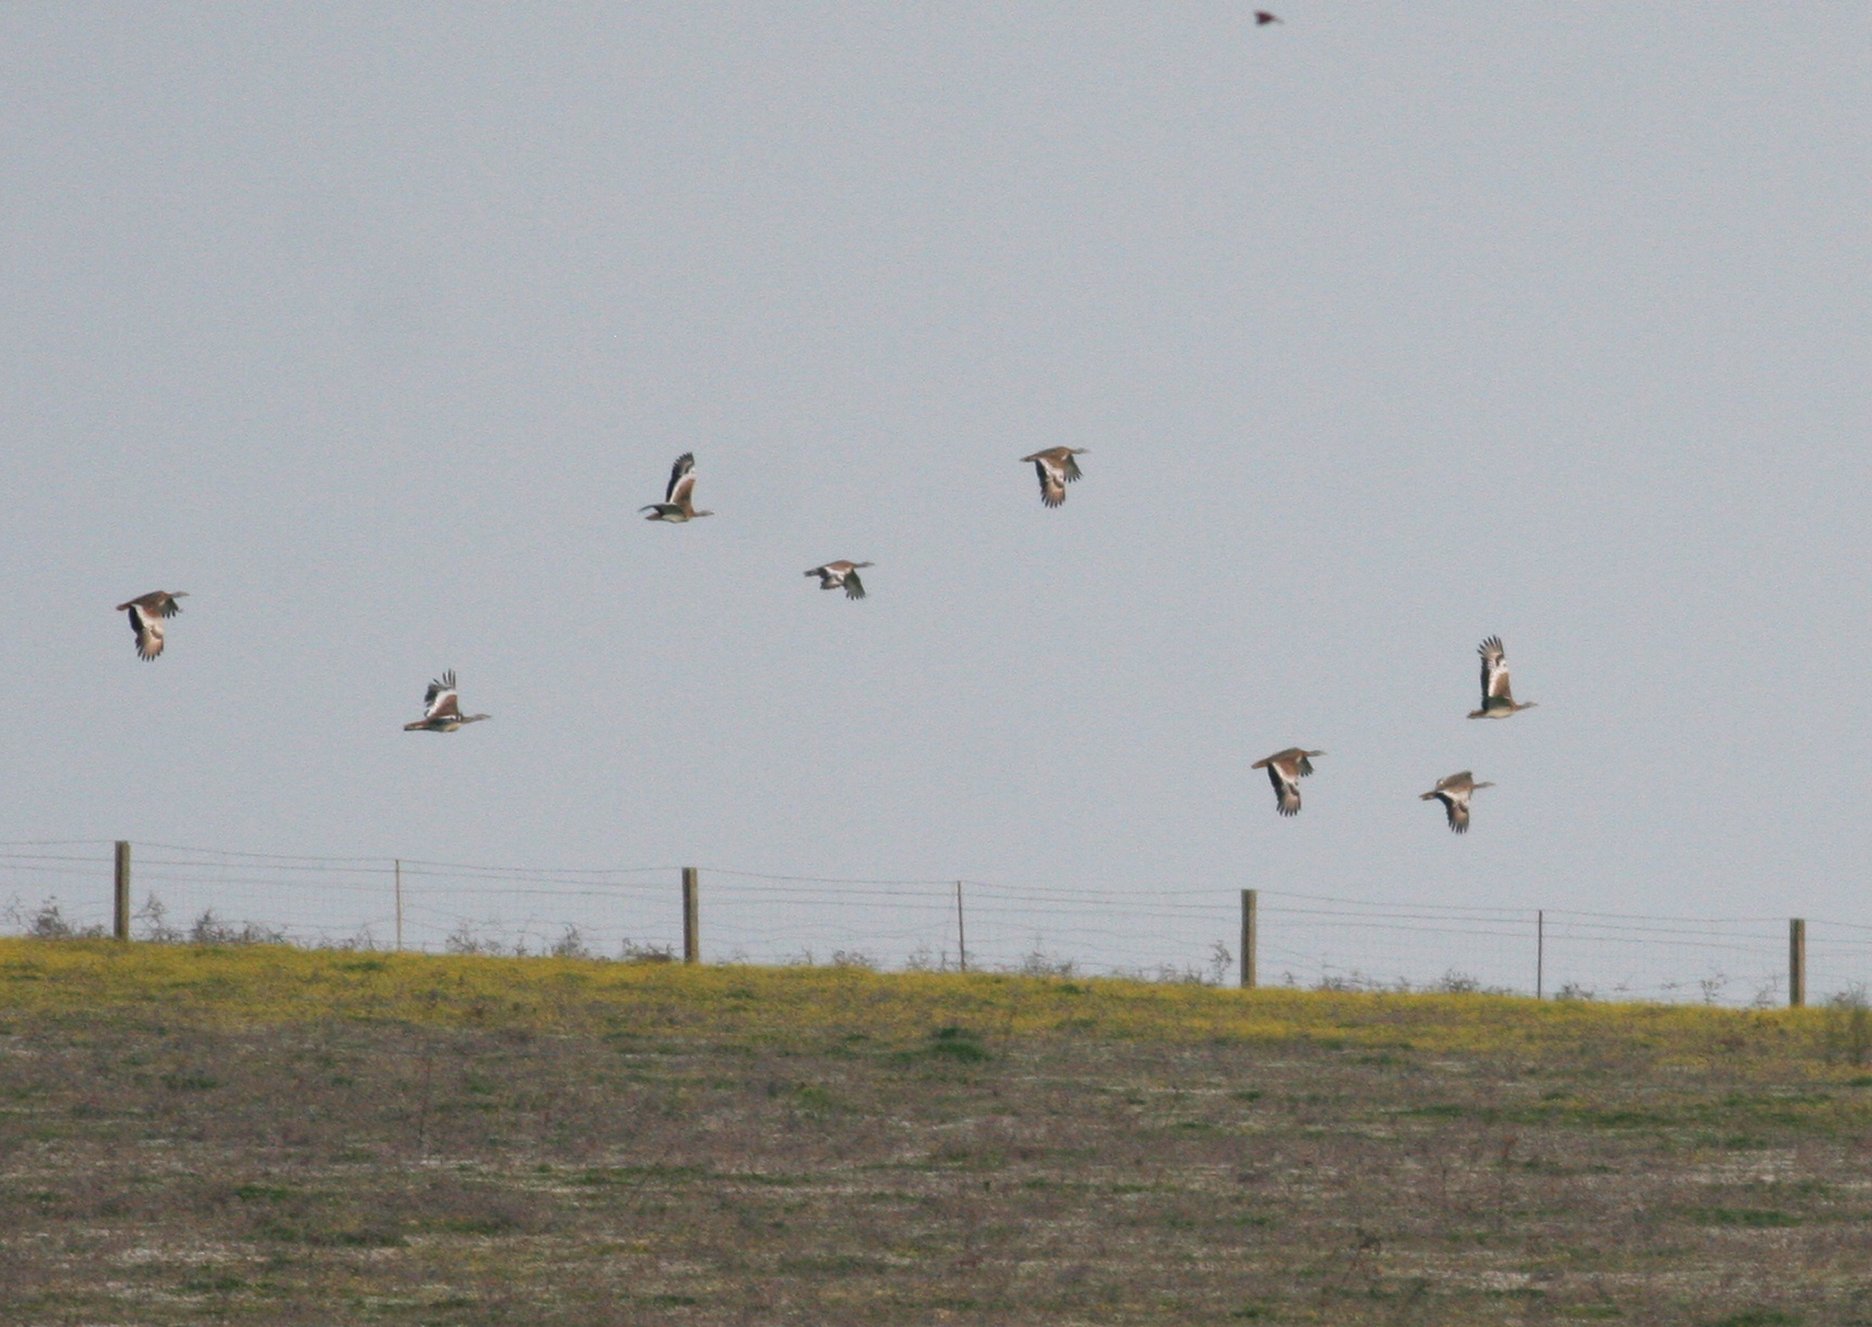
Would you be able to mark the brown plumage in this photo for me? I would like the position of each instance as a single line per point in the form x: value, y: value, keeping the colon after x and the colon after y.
x: 1056, y: 469
x: 1285, y: 770
x: 147, y: 612
x: 1454, y: 793
x: 840, y: 574
x: 1498, y: 700
x: 1263, y: 18
x: 442, y: 708
x: 677, y: 504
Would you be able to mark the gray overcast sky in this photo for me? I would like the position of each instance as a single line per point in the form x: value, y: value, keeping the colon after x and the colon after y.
x: 1388, y: 328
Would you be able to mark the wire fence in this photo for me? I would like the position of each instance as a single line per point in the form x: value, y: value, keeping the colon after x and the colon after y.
x: 180, y: 893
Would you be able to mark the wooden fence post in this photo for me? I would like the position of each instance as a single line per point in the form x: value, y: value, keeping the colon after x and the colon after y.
x: 961, y: 932
x: 120, y: 912
x: 691, y: 918
x: 1797, y: 962
x: 399, y: 903
x: 1249, y: 899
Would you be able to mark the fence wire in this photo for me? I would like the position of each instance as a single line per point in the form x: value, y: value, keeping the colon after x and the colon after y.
x: 183, y: 893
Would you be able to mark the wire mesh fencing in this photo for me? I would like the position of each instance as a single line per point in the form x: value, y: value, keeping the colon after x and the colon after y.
x: 56, y: 887
x: 1314, y: 940
x: 177, y: 893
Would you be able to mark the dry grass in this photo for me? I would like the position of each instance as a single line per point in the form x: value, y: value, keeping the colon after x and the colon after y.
x: 265, y: 1135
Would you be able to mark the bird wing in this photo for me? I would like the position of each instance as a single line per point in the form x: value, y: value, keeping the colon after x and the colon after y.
x: 1052, y: 485
x: 1280, y: 773
x: 441, y: 699
x: 1453, y: 791
x: 1069, y: 467
x: 684, y: 464
x: 680, y: 489
x: 1494, y: 672
x: 146, y: 613
x: 1303, y: 767
x: 854, y: 588
x: 1456, y: 805
x: 148, y: 629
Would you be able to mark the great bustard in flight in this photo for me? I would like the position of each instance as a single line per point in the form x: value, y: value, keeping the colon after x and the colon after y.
x: 1285, y: 770
x: 1498, y: 701
x: 1454, y: 793
x: 1056, y: 469
x: 1263, y: 18
x: 147, y: 612
x: 442, y: 708
x: 834, y: 574
x: 677, y: 504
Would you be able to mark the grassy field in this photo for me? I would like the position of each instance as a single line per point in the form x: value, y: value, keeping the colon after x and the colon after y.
x: 266, y: 1135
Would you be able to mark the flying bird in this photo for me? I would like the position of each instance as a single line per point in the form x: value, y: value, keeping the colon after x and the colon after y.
x: 442, y: 708
x: 1498, y: 701
x: 1285, y: 770
x: 1454, y: 793
x: 147, y: 612
x: 834, y: 574
x: 677, y: 505
x: 1056, y: 469
x: 1263, y: 18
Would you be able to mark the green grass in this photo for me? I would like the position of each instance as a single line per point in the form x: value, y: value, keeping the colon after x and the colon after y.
x: 262, y: 1135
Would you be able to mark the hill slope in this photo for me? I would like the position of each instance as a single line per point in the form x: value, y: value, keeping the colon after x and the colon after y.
x: 279, y: 1136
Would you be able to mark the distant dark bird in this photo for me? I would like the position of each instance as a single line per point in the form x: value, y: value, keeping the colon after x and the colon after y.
x: 1498, y: 701
x: 835, y: 574
x: 1454, y: 793
x: 1285, y: 770
x: 1263, y: 18
x: 442, y: 708
x: 1056, y: 469
x: 147, y: 612
x: 676, y: 504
